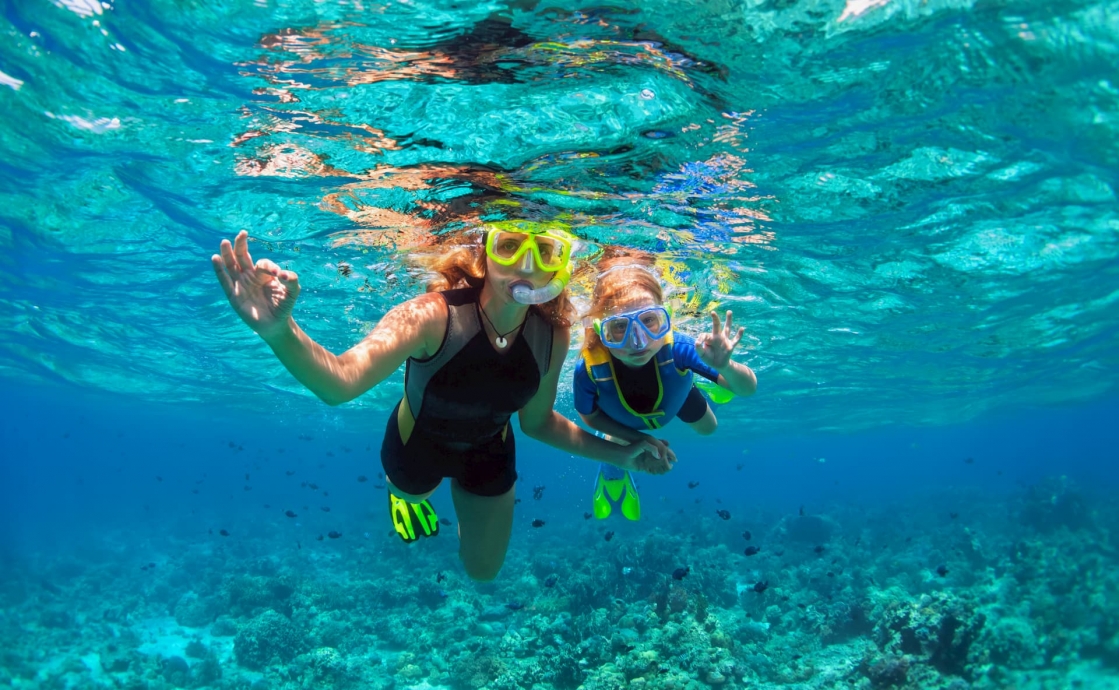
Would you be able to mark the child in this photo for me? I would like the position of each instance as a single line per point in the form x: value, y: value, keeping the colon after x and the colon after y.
x: 636, y: 373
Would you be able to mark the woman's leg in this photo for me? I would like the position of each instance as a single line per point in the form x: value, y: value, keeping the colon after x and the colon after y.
x: 411, y: 498
x: 485, y: 527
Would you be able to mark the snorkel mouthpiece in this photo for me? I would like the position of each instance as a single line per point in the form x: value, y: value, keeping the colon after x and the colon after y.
x: 526, y: 295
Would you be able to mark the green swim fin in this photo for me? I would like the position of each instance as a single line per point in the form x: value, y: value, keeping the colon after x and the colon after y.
x: 405, y: 516
x: 618, y: 491
x: 717, y: 394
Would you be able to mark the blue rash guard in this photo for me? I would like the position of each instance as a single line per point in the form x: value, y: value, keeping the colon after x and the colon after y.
x: 596, y: 383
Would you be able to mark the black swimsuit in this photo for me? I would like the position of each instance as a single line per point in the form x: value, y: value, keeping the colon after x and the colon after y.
x: 462, y: 398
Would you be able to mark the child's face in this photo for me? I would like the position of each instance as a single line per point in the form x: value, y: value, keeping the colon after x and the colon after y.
x: 639, y: 348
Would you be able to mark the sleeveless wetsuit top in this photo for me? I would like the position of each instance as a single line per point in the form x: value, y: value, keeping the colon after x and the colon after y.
x: 465, y: 393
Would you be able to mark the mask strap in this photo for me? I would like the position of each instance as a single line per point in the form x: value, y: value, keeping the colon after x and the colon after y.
x: 642, y: 267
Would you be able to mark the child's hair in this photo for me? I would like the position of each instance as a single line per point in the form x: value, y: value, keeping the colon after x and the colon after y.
x: 621, y: 274
x: 463, y: 264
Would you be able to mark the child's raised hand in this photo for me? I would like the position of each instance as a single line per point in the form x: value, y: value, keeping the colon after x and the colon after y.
x: 714, y: 348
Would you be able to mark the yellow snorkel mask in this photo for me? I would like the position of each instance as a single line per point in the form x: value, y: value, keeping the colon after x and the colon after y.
x: 547, y: 244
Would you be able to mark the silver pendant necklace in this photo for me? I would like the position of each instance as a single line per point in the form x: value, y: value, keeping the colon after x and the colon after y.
x: 499, y: 340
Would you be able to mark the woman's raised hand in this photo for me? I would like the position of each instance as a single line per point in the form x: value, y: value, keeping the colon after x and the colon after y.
x: 262, y: 294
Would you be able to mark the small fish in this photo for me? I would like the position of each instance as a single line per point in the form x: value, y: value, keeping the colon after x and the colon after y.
x: 333, y: 535
x: 537, y: 523
x: 298, y: 546
x: 969, y: 461
x: 325, y: 509
x: 319, y: 538
x: 692, y: 485
x: 194, y: 491
x: 362, y: 478
x: 289, y: 472
x: 246, y: 476
x: 760, y: 587
x: 608, y: 536
x: 723, y: 513
x: 819, y: 549
x: 314, y: 487
x: 440, y: 577
x: 738, y: 467
x: 445, y: 521
x: 942, y: 570
x: 290, y: 513
x: 752, y: 550
x: 224, y: 533
x: 158, y: 478
x: 681, y: 573
x: 516, y: 501
x: 538, y: 492
x: 267, y: 505
x: 514, y: 606
x: 953, y: 515
x: 587, y: 516
x: 831, y: 574
x: 379, y: 486
x: 802, y: 511
x: 802, y: 606
x: 747, y: 536
x: 551, y: 581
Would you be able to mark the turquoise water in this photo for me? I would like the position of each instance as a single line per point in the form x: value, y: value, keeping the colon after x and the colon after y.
x: 909, y: 205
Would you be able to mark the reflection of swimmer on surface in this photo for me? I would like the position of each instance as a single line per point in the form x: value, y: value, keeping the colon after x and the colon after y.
x: 636, y: 373
x: 492, y: 51
x: 489, y: 341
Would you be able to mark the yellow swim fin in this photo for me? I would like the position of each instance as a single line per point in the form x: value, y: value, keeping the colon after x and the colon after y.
x: 616, y: 491
x: 406, y: 516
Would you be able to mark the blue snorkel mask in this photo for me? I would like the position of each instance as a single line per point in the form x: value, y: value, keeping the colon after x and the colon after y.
x: 642, y: 326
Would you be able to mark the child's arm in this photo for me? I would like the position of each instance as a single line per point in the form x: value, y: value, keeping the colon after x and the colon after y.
x: 738, y: 378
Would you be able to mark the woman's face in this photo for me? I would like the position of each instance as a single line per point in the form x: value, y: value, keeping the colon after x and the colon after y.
x: 639, y: 348
x: 502, y: 279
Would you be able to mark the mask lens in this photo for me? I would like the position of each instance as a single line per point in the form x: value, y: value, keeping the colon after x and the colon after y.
x: 553, y: 252
x: 614, y: 331
x: 656, y: 321
x: 507, y: 244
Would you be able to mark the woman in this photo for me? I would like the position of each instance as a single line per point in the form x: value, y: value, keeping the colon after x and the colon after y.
x: 477, y: 351
x: 636, y: 373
